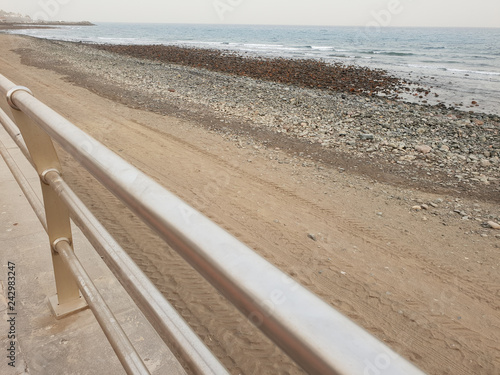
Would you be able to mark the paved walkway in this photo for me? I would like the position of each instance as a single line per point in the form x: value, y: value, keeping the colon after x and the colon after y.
x: 75, y: 344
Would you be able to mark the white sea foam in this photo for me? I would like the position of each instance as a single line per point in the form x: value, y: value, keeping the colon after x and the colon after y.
x: 473, y: 72
x: 323, y: 48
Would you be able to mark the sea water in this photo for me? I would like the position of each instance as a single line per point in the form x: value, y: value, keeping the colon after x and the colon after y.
x: 461, y: 64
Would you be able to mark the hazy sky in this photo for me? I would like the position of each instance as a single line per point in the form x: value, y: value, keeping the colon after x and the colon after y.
x: 464, y: 13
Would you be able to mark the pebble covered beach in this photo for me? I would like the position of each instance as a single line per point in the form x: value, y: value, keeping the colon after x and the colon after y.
x: 357, y: 114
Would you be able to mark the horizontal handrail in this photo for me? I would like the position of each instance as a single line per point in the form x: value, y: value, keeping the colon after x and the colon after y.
x: 311, y: 332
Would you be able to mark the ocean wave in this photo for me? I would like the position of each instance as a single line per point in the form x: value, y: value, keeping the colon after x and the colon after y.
x: 479, y: 57
x: 473, y: 72
x: 265, y: 46
x: 345, y: 56
x: 323, y: 48
x: 425, y: 66
x: 445, y: 69
x: 288, y: 49
x: 390, y: 53
x: 116, y: 39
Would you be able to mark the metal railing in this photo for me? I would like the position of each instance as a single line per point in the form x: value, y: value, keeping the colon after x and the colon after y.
x: 312, y: 333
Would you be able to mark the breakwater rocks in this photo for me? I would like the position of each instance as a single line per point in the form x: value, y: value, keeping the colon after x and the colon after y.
x: 299, y: 72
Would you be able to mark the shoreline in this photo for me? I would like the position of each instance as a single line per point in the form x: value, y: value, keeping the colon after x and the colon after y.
x: 395, y: 82
x: 352, y: 78
x: 432, y: 148
x: 463, y: 78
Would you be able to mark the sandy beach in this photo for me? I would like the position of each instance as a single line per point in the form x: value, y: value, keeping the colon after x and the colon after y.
x: 378, y: 206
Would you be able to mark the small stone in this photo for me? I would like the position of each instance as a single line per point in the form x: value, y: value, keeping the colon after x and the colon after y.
x: 433, y: 204
x: 407, y: 157
x: 311, y: 236
x: 485, y: 163
x: 493, y: 225
x: 424, y: 206
x: 424, y: 149
x: 366, y: 137
x: 171, y: 90
x: 416, y: 208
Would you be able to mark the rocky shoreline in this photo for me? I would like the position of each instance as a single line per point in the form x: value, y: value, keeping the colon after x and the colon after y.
x: 432, y: 147
x: 315, y: 74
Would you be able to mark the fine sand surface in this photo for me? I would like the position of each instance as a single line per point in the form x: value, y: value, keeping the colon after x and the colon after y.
x: 424, y: 281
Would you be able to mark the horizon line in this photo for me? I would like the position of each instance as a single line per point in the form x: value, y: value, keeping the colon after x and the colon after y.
x: 286, y: 25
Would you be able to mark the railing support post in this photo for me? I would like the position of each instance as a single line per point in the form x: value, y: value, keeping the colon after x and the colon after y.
x: 67, y: 299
